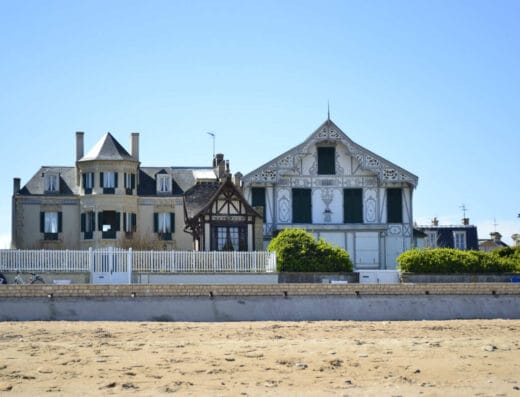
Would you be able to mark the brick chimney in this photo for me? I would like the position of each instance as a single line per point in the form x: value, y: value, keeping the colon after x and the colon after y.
x: 134, y: 143
x: 435, y: 221
x: 79, y: 145
x: 465, y: 221
x: 220, y: 165
x: 496, y: 236
x: 16, y: 185
x: 237, y: 180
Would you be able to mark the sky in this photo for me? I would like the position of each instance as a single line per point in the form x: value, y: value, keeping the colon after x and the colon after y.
x: 433, y: 86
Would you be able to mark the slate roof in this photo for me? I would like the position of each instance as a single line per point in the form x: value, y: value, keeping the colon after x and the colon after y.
x: 35, y: 185
x: 196, y: 198
x: 107, y: 148
x: 147, y: 182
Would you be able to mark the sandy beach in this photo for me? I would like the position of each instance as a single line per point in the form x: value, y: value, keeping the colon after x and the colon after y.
x: 430, y: 358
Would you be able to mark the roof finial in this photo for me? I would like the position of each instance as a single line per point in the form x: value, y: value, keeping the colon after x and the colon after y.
x: 328, y: 111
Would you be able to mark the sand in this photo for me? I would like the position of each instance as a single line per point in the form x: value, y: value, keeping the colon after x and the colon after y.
x: 343, y: 358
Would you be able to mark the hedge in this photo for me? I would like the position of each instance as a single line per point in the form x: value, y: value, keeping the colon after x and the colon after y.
x: 449, y: 260
x: 298, y: 251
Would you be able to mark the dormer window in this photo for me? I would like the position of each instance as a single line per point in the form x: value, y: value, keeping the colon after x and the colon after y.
x: 326, y: 161
x: 164, y: 184
x: 51, y: 183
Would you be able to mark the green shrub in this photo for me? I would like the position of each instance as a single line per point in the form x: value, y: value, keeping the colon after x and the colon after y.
x: 449, y: 260
x: 297, y: 251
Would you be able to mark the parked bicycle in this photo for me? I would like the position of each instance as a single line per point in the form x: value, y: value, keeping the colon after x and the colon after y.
x: 33, y: 279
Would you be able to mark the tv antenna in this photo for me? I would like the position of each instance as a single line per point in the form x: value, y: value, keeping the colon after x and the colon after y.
x: 212, y: 134
x: 464, y: 209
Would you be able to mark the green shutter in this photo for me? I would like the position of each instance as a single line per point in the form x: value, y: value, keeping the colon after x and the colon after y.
x: 83, y: 222
x: 124, y: 221
x: 394, y: 205
x: 155, y: 222
x: 60, y: 222
x: 326, y: 161
x: 302, y: 206
x: 115, y: 179
x: 100, y: 221
x: 172, y: 221
x: 42, y: 222
x: 134, y: 222
x: 258, y: 198
x: 118, y: 221
x: 132, y: 177
x: 353, y: 205
x: 84, y: 177
x: 100, y: 179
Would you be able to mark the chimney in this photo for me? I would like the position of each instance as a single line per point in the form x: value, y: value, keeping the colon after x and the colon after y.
x: 435, y: 221
x: 79, y: 145
x: 465, y: 221
x: 496, y: 236
x: 135, y: 145
x: 220, y: 165
x: 16, y: 185
x: 238, y: 180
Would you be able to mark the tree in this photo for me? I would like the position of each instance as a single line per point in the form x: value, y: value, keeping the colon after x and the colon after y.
x: 298, y: 251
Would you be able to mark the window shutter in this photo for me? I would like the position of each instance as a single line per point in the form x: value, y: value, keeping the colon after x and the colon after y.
x: 42, y: 222
x: 118, y: 221
x: 84, y: 177
x: 172, y: 221
x: 124, y: 221
x: 258, y: 198
x: 134, y: 221
x: 155, y: 222
x: 326, y: 161
x: 115, y: 179
x: 302, y: 206
x: 353, y: 205
x: 394, y: 205
x: 133, y: 181
x: 100, y: 179
x: 60, y: 222
x: 93, y: 220
x: 83, y: 222
x: 100, y: 221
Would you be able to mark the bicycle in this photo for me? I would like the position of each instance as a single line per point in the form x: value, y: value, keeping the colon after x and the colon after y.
x: 35, y: 279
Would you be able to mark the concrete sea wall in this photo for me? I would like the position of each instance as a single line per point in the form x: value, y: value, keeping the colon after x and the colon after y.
x: 290, y: 302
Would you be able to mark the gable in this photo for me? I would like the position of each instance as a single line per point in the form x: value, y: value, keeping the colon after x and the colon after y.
x: 351, y: 159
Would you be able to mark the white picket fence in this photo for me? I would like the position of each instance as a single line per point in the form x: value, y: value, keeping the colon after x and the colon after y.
x: 116, y: 260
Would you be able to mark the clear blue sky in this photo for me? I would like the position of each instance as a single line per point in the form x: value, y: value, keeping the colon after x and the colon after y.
x: 433, y: 86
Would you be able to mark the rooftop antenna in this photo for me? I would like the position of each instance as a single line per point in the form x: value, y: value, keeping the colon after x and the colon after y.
x: 495, y: 224
x: 328, y: 110
x: 464, y: 209
x: 213, y: 136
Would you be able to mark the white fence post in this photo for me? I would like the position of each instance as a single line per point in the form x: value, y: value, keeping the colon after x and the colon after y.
x: 129, y: 261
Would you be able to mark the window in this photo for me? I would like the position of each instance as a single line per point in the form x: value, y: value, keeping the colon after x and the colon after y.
x: 50, y: 224
x: 88, y: 224
x: 459, y: 240
x: 129, y: 222
x: 394, y: 205
x: 301, y: 206
x: 326, y: 161
x: 258, y: 198
x: 431, y: 239
x: 229, y: 238
x: 164, y: 184
x: 88, y: 182
x: 129, y: 183
x: 164, y: 224
x: 108, y: 181
x: 51, y: 183
x: 353, y: 205
x: 109, y: 223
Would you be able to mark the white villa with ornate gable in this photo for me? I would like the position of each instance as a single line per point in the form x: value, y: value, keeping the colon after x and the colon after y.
x: 338, y: 191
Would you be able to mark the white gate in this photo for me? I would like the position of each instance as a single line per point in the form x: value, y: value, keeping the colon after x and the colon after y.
x: 111, y: 266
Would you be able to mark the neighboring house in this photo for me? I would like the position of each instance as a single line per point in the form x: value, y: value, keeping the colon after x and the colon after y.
x: 109, y: 199
x: 463, y: 237
x: 493, y: 243
x: 338, y: 191
x: 516, y: 238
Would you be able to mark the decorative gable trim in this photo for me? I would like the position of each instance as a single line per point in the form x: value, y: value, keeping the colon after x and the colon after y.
x: 329, y: 133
